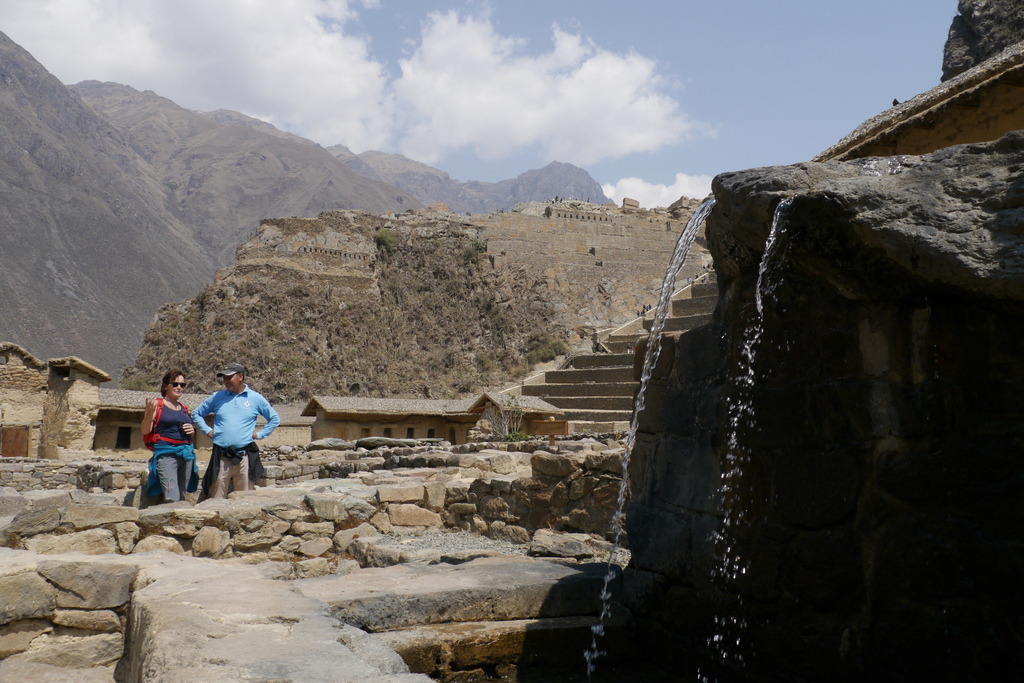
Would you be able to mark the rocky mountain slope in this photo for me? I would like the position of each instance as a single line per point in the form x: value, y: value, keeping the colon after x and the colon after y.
x: 378, y: 308
x: 431, y: 185
x: 75, y: 198
x: 115, y: 201
x: 224, y: 172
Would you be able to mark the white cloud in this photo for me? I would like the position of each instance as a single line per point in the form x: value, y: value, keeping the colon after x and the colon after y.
x: 652, y: 195
x: 290, y: 63
x: 462, y: 89
x: 466, y: 87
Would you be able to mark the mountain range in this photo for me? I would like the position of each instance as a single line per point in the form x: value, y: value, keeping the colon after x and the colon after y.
x: 115, y: 201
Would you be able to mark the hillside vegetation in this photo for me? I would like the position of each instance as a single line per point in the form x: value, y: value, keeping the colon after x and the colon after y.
x: 446, y: 324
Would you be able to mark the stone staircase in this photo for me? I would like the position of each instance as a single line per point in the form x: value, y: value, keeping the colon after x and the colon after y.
x: 597, y: 390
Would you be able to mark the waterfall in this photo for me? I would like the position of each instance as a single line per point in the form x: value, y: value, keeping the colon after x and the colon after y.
x: 651, y: 354
x: 727, y: 639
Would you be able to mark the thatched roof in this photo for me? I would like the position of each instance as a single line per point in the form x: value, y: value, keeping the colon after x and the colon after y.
x: 973, y: 89
x: 76, y: 363
x: 394, y: 407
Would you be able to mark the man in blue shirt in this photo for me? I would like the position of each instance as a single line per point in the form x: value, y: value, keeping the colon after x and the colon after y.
x: 235, y: 458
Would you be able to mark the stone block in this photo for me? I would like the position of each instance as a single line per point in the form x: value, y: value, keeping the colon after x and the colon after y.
x: 289, y: 544
x: 436, y: 493
x: 346, y: 510
x: 494, y: 508
x: 462, y: 509
x: 261, y: 539
x: 547, y: 543
x: 101, y: 620
x: 605, y: 461
x: 17, y: 636
x: 344, y: 538
x: 316, y: 547
x: 26, y: 595
x: 511, y: 533
x: 502, y: 463
x: 11, y: 502
x: 210, y: 542
x: 89, y: 516
x: 400, y: 494
x: 157, y: 543
x: 412, y: 515
x: 81, y: 653
x: 191, y: 515
x: 31, y: 522
x: 89, y: 585
x: 315, y: 528
x: 369, y: 553
x: 311, y: 568
x: 127, y: 533
x: 551, y: 465
x: 88, y: 542
x: 381, y: 521
x: 40, y: 500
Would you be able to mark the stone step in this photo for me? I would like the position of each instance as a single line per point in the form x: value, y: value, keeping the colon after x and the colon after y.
x: 596, y: 389
x: 592, y: 402
x: 598, y: 427
x: 704, y: 289
x: 598, y: 415
x: 602, y: 360
x: 682, y: 324
x: 681, y: 307
x: 487, y: 589
x: 590, y: 375
x: 442, y: 650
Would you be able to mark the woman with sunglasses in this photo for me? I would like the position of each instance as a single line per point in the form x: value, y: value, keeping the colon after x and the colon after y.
x: 172, y: 469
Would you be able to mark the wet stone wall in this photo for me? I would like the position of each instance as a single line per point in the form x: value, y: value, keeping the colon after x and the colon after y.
x: 831, y: 488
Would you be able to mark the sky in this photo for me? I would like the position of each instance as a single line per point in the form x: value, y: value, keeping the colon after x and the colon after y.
x: 653, y: 99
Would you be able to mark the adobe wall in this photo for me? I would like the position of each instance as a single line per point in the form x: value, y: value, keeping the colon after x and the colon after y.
x: 22, y: 395
x: 69, y: 415
x: 352, y: 429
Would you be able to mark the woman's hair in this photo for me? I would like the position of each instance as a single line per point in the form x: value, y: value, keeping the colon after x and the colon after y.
x: 167, y: 379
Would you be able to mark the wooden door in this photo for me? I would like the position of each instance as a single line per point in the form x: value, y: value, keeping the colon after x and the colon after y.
x: 14, y: 442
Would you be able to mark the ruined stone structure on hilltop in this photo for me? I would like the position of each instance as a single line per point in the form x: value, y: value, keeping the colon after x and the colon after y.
x: 601, y: 264
x: 337, y: 245
x: 607, y: 263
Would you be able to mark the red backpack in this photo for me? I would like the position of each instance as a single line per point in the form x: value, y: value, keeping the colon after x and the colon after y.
x: 149, y: 440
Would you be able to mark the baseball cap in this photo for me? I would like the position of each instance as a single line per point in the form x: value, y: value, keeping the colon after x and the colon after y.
x: 231, y: 369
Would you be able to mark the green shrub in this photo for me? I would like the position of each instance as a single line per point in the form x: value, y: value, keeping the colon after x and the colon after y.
x: 385, y: 239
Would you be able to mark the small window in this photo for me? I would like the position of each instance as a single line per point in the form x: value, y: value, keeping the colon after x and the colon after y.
x: 364, y: 432
x: 387, y: 432
x: 124, y: 438
x: 410, y: 433
x: 430, y: 433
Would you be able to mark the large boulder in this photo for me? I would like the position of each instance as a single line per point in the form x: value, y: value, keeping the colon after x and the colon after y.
x: 831, y: 473
x: 981, y: 29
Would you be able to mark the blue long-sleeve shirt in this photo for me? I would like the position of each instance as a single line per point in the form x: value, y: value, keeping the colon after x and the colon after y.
x: 234, y: 417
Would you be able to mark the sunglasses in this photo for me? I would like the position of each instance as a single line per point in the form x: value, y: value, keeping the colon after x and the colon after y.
x: 179, y: 384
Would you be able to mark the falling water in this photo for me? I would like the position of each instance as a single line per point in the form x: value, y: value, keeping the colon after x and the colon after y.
x: 651, y: 354
x: 727, y: 639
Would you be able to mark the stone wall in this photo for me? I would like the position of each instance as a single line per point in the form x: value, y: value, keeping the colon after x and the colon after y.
x: 63, y: 614
x: 833, y: 488
x: 69, y: 416
x: 606, y: 270
x: 506, y: 494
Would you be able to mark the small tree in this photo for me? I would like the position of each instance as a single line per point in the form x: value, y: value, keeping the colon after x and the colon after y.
x: 506, y: 418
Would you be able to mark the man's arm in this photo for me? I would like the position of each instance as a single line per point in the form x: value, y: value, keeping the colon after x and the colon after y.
x: 202, y: 411
x: 273, y: 419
